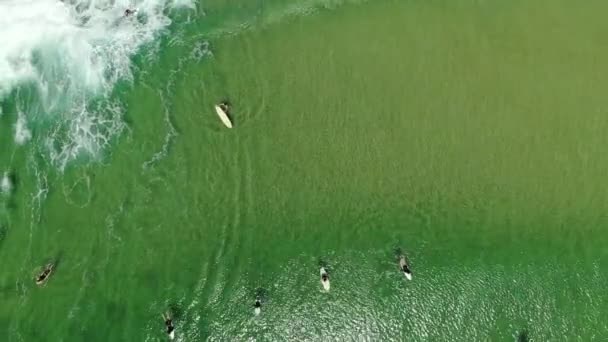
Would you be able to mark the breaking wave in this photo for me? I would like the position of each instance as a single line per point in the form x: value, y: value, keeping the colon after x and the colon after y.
x: 60, y: 62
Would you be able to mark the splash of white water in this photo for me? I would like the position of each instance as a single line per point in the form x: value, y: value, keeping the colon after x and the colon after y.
x: 6, y: 185
x: 22, y: 133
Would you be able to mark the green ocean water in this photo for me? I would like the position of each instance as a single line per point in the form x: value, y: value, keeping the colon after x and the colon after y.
x: 469, y: 134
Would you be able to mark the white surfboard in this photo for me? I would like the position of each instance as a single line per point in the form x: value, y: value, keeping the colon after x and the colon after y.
x: 172, y: 335
x: 223, y: 116
x: 325, y: 283
x: 257, y: 311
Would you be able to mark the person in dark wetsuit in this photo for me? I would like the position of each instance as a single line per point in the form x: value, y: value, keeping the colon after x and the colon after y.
x: 224, y: 106
x: 129, y: 12
x: 325, y: 277
x: 169, y: 325
x: 43, y: 276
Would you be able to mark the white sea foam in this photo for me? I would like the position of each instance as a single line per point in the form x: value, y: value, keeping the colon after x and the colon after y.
x: 22, y: 133
x: 72, y: 52
x: 6, y: 185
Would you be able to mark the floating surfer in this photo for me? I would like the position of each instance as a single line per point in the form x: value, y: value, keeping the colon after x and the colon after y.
x: 257, y: 307
x: 222, y: 111
x: 324, y: 279
x: 44, y: 276
x: 169, y: 325
x: 404, y: 267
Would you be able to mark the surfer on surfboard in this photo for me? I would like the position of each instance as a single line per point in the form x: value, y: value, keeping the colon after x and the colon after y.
x: 324, y: 278
x: 44, y: 276
x: 129, y: 12
x: 257, y: 307
x: 223, y: 111
x: 404, y: 267
x: 169, y: 326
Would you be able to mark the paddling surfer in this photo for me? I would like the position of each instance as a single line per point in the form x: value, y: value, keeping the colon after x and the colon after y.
x: 257, y: 307
x: 169, y: 325
x: 129, y: 12
x: 325, y: 279
x: 223, y: 111
x: 44, y: 276
x: 404, y: 267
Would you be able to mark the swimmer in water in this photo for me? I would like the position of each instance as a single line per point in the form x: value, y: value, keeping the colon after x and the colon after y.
x: 129, y: 12
x: 44, y: 276
x: 169, y: 326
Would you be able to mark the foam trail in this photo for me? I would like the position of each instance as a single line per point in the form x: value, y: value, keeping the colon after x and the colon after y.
x: 70, y: 54
x: 22, y: 133
x: 6, y: 185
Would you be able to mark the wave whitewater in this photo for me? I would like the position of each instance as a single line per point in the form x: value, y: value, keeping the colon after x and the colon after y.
x: 60, y: 61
